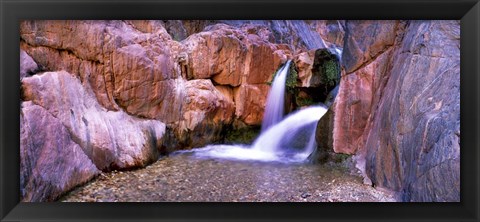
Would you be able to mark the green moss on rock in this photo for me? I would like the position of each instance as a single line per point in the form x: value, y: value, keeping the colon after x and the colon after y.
x: 292, y: 78
x: 331, y: 72
x: 242, y: 136
x: 305, y: 101
x: 326, y: 67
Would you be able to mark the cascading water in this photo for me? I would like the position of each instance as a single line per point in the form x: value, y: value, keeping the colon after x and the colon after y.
x: 289, y: 140
x: 276, y: 98
x: 279, y: 138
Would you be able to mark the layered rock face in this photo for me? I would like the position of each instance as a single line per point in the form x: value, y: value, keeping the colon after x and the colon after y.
x: 398, y: 106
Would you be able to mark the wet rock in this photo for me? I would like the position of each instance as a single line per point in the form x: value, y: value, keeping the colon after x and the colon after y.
x: 324, y: 138
x: 50, y: 161
x: 239, y: 61
x: 241, y: 135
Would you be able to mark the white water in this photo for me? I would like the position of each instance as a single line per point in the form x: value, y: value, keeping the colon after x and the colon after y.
x: 278, y: 137
x: 276, y: 98
x: 289, y: 140
x: 275, y: 144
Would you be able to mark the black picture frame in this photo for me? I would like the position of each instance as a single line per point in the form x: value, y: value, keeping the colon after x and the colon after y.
x: 12, y: 11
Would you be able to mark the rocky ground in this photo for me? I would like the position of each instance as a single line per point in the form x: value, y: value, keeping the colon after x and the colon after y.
x: 184, y: 177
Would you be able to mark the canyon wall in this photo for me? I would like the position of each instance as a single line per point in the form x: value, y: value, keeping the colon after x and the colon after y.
x: 398, y: 107
x: 105, y: 95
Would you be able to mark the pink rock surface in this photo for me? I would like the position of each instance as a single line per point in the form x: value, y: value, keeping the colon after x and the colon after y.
x: 50, y: 161
x: 111, y: 139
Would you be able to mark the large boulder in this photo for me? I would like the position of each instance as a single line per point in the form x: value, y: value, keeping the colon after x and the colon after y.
x: 217, y: 54
x: 230, y: 56
x: 207, y: 112
x: 111, y: 139
x: 50, y: 161
x: 144, y: 78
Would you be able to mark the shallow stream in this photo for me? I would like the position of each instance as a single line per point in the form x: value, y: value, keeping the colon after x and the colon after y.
x: 187, y: 177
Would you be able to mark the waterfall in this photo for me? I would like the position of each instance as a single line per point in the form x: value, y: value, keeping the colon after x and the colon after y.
x: 277, y: 142
x: 279, y: 136
x: 276, y: 98
x: 289, y: 139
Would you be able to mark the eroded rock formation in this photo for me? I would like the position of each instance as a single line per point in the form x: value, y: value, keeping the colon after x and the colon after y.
x: 103, y: 95
x: 398, y: 106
